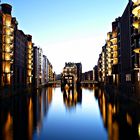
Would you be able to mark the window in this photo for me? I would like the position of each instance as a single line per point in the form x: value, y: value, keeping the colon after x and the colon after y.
x: 128, y: 77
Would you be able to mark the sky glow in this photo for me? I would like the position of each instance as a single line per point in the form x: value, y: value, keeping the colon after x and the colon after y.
x: 68, y: 30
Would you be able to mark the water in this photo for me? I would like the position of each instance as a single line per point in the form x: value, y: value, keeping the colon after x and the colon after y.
x: 83, y: 114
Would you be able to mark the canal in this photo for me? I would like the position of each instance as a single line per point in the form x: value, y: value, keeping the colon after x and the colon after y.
x: 82, y: 114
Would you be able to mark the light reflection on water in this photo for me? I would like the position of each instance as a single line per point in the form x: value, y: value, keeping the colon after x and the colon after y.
x: 53, y: 114
x: 72, y: 115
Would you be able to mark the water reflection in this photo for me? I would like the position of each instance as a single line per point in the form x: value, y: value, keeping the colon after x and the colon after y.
x: 72, y: 97
x: 121, y: 117
x: 42, y: 114
x: 7, y: 130
x: 44, y: 99
x: 21, y: 116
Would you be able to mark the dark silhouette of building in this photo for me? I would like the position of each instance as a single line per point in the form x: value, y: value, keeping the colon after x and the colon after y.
x: 119, y: 61
x: 20, y: 61
x: 79, y: 73
x: 95, y: 73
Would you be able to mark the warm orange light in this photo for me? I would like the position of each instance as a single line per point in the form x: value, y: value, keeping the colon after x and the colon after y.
x: 30, y: 118
x: 7, y: 48
x: 115, y: 61
x: 7, y: 39
x: 7, y: 30
x: 8, y: 127
x: 115, y: 54
x: 7, y: 56
x: 104, y: 108
x: 29, y: 51
x: 29, y: 66
x: 129, y: 119
x: 136, y: 11
x: 108, y: 35
x: 136, y: 2
x: 139, y: 129
x: 137, y: 50
x: 8, y: 21
x: 109, y: 49
x: 109, y: 54
x: 6, y: 67
x: 30, y: 45
x: 110, y: 120
x: 29, y: 72
x: 115, y: 48
x: 109, y: 72
x: 114, y: 109
x: 136, y: 24
x: 29, y: 61
x: 114, y: 34
x: 114, y: 41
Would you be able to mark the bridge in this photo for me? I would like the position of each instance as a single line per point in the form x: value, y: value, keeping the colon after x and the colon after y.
x: 58, y: 82
x: 89, y: 82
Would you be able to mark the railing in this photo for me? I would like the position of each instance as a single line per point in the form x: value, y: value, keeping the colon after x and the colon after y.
x: 89, y: 82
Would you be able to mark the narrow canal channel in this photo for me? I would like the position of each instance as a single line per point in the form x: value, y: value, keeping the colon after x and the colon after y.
x: 83, y: 114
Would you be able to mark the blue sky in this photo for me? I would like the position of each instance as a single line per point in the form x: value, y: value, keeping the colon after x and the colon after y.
x: 68, y: 30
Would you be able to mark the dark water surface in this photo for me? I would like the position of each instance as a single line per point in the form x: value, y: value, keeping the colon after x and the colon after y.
x: 83, y: 114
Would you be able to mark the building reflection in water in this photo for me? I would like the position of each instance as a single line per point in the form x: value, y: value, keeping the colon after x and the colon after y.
x: 21, y: 116
x: 121, y: 117
x: 7, y: 130
x: 30, y: 118
x: 44, y: 100
x: 72, y: 97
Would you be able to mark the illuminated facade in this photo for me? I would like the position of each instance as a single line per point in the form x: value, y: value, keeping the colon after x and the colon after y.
x: 21, y: 63
x: 72, y: 97
x: 29, y: 59
x: 112, y: 110
x: 115, y: 46
x: 70, y: 74
x: 119, y: 61
x: 109, y: 55
x: 7, y: 45
x: 136, y: 42
x: 103, y: 64
x: 40, y: 68
x: 129, y: 46
x: 50, y: 71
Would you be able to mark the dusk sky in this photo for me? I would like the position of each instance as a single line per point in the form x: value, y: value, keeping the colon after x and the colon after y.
x: 68, y: 30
